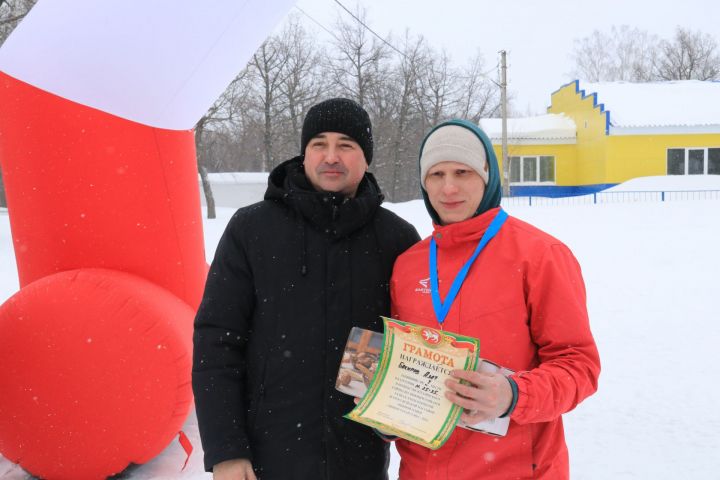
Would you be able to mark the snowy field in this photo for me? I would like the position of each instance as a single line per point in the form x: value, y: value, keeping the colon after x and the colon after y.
x: 651, y: 271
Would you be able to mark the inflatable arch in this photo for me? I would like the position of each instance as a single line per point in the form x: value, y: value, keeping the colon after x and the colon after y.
x: 96, y: 105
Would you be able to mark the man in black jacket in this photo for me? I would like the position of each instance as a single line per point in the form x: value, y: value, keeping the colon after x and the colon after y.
x: 291, y: 276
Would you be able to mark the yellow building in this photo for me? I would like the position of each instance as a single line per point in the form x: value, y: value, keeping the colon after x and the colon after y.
x: 596, y: 135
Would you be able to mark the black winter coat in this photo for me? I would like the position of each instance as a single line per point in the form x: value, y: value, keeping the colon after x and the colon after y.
x: 291, y: 276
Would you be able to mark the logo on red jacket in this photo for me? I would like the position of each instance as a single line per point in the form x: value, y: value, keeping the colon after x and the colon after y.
x: 424, y: 288
x: 431, y: 337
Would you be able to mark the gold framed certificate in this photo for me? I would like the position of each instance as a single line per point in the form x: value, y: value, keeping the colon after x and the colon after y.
x: 406, y: 396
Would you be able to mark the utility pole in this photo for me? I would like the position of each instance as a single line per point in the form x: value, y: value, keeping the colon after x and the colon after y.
x: 503, y: 105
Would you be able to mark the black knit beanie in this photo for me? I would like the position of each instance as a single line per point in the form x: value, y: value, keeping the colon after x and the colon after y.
x: 340, y: 115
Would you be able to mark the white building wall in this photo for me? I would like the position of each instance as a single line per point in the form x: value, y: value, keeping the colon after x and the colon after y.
x: 236, y: 189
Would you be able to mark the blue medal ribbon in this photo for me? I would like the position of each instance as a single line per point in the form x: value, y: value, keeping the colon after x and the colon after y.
x: 442, y: 309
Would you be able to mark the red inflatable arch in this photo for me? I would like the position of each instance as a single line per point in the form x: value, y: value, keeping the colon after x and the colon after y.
x: 97, y: 103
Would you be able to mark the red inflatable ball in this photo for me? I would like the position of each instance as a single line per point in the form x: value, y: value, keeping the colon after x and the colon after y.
x: 94, y: 373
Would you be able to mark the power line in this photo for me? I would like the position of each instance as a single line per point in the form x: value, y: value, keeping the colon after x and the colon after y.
x: 365, y: 26
x: 484, y: 75
x: 369, y: 29
x: 317, y: 23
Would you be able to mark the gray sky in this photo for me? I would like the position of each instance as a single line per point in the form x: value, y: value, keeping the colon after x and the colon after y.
x: 537, y: 34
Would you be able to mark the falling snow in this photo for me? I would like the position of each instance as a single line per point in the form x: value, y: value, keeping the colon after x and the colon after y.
x: 650, y: 270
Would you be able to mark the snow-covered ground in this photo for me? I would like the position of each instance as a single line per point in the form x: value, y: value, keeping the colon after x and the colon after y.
x: 669, y: 183
x: 651, y: 273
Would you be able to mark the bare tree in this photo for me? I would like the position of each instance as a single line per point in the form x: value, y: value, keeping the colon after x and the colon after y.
x: 11, y: 12
x: 269, y: 67
x: 479, y: 95
x: 634, y: 55
x: 636, y: 51
x: 356, y: 69
x: 690, y: 55
x: 402, y: 119
x: 436, y: 91
x: 624, y: 53
x: 221, y: 146
x: 592, y: 57
x: 224, y: 110
x: 383, y: 81
x: 302, y: 83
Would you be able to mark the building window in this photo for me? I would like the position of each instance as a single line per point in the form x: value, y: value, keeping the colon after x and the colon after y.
x: 532, y: 169
x: 696, y: 162
x: 529, y: 170
x: 514, y: 169
x: 713, y: 161
x: 676, y: 161
x: 547, y: 169
x: 693, y: 161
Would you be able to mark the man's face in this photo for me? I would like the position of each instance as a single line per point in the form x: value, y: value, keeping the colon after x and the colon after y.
x: 455, y: 191
x: 334, y: 162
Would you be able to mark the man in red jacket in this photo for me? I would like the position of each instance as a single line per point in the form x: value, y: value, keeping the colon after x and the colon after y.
x: 517, y: 289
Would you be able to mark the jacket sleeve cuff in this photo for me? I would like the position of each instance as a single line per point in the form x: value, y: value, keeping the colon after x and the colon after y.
x: 386, y: 437
x: 213, y: 458
x: 513, y: 402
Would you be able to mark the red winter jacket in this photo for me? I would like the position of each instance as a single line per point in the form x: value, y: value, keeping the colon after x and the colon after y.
x: 524, y: 298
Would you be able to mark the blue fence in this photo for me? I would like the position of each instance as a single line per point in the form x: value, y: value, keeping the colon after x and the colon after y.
x: 557, y: 190
x: 615, y: 197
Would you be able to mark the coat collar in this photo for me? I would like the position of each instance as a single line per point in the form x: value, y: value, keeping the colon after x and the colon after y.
x: 470, y: 230
x: 333, y: 213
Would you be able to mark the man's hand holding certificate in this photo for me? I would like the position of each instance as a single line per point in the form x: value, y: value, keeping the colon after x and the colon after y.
x: 406, y: 396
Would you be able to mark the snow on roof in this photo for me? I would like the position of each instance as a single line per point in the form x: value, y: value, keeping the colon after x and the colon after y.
x: 532, y: 129
x: 682, y: 103
x: 677, y: 183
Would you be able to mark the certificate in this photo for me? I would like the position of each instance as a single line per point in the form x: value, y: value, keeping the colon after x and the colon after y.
x: 406, y: 396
